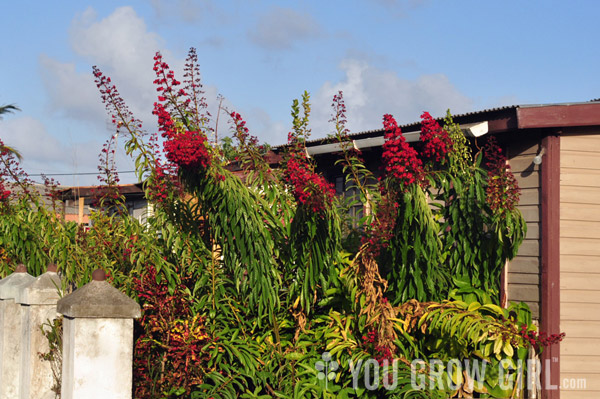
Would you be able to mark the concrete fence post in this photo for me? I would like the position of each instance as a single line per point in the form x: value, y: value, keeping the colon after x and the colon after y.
x: 11, y: 345
x: 38, y: 306
x: 97, y: 341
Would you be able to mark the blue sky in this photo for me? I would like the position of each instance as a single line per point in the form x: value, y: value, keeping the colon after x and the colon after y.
x: 388, y: 56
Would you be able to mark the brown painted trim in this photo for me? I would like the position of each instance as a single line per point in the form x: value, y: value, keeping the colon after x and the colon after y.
x: 559, y: 116
x: 550, y: 287
x: 504, y: 286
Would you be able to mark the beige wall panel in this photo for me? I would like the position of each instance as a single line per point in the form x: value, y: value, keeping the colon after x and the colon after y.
x: 534, y: 307
x: 580, y: 264
x: 580, y: 346
x: 580, y: 195
x: 580, y: 246
x: 579, y: 177
x: 575, y: 364
x: 576, y: 329
x: 580, y: 281
x: 585, y: 394
x: 579, y: 160
x: 589, y: 143
x: 580, y: 269
x: 590, y: 212
x: 575, y: 384
x: 579, y: 311
x: 579, y: 229
x: 579, y: 296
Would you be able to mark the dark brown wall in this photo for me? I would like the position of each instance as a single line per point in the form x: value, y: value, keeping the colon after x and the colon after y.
x: 524, y: 270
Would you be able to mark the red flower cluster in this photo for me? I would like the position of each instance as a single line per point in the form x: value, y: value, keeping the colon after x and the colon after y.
x: 370, y: 338
x: 163, y: 183
x: 308, y: 187
x: 186, y: 148
x: 540, y: 340
x: 165, y: 78
x: 4, y: 194
x: 503, y: 190
x: 12, y: 173
x: 399, y: 158
x: 436, y: 141
x: 241, y: 131
x: 381, y: 353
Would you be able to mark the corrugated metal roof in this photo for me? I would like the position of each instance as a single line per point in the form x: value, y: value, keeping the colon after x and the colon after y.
x: 367, y: 133
x: 407, y: 125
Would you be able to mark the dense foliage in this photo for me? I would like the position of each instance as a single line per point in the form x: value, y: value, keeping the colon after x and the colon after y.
x: 245, y: 286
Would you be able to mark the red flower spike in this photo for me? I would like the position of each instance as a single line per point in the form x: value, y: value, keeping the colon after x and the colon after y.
x: 399, y: 158
x: 436, y: 141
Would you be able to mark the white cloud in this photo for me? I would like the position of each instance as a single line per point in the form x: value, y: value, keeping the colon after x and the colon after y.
x: 123, y: 48
x: 268, y: 130
x: 71, y: 93
x: 42, y: 152
x: 281, y: 27
x: 370, y: 92
x: 30, y: 138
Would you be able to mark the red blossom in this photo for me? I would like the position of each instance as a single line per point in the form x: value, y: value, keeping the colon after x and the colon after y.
x: 381, y: 353
x: 436, y: 141
x: 4, y: 194
x: 399, y: 158
x: 308, y: 187
x: 503, y: 191
x: 186, y: 148
x: 541, y: 340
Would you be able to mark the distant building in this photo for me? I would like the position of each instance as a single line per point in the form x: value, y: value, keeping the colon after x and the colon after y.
x: 79, y: 201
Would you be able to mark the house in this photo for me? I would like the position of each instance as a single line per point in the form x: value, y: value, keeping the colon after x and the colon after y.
x: 78, y: 202
x: 554, y: 151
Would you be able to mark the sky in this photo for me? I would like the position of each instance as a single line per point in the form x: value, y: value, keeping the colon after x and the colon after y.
x: 401, y: 57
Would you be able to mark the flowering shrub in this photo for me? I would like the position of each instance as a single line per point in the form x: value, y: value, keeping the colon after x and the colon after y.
x: 244, y: 284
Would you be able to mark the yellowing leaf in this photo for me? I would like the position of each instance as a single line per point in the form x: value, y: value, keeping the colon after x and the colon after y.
x: 508, y: 349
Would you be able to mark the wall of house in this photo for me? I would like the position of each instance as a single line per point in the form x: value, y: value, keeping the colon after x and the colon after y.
x: 138, y: 209
x: 524, y: 270
x: 580, y: 261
